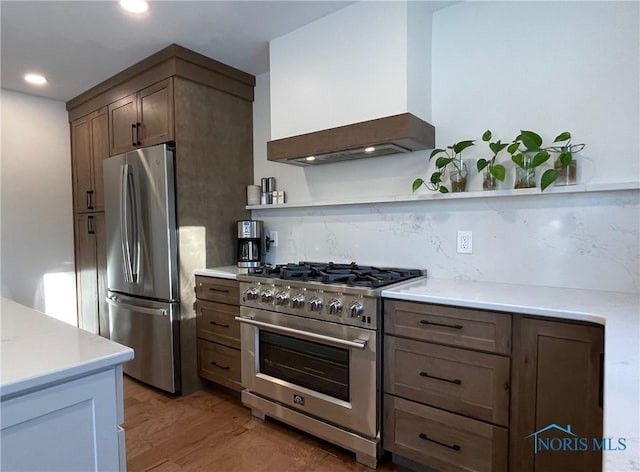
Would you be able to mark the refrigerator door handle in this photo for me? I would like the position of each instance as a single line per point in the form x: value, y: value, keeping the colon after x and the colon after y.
x: 135, y: 233
x: 113, y: 300
x: 124, y: 224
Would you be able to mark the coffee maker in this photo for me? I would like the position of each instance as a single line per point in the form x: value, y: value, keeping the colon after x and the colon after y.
x: 250, y: 244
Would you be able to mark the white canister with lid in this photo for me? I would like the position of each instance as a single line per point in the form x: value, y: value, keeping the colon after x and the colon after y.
x: 253, y: 194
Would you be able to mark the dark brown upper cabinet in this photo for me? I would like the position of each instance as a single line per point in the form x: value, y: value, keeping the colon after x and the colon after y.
x: 88, y: 148
x: 141, y: 119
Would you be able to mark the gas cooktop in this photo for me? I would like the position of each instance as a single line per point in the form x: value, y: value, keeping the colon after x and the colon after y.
x: 352, y: 275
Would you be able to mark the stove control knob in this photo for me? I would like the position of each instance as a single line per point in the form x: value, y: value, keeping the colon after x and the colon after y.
x: 251, y: 294
x: 267, y: 296
x: 335, y: 306
x: 315, y: 304
x: 297, y: 301
x: 356, y: 309
x: 282, y: 298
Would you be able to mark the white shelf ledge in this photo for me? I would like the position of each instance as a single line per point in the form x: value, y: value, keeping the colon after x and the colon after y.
x: 581, y: 188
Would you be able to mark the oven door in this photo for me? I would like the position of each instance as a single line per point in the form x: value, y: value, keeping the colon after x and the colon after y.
x: 324, y: 369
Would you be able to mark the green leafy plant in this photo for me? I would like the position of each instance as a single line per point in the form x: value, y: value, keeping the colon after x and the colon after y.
x: 565, y: 155
x: 527, y: 153
x: 496, y: 170
x: 451, y: 156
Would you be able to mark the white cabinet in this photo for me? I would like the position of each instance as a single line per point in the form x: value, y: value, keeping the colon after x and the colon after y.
x: 61, y: 395
x: 73, y: 425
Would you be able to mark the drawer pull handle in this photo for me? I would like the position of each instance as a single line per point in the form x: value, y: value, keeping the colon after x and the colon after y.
x: 454, y: 381
x: 441, y: 324
x: 455, y: 447
x: 223, y: 367
x: 219, y: 324
x: 219, y: 290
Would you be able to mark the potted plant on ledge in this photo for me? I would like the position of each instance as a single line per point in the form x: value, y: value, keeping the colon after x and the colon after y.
x: 527, y: 159
x: 534, y: 155
x: 564, y: 168
x: 452, y: 158
x: 492, y: 171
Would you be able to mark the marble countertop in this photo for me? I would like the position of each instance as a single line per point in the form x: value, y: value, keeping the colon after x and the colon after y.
x: 226, y: 272
x: 618, y: 312
x: 37, y: 350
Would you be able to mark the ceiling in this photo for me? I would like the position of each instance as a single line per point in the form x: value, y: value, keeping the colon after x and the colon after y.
x: 78, y: 44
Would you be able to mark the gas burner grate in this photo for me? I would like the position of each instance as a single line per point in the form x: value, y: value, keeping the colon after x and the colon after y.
x: 328, y: 272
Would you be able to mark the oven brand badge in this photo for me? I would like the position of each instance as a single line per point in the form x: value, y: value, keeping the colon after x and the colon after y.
x: 298, y: 399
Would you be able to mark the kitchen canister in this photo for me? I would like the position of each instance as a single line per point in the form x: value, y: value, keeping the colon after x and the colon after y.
x: 253, y: 194
x: 268, y: 185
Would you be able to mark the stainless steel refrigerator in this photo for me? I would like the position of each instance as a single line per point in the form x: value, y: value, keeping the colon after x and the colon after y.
x: 142, y: 262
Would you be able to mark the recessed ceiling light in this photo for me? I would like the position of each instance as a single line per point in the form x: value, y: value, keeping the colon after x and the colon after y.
x: 311, y: 158
x: 369, y: 149
x: 35, y: 79
x: 134, y: 6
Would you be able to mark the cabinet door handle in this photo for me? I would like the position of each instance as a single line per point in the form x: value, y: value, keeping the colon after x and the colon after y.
x: 218, y: 290
x: 453, y: 381
x: 455, y: 447
x: 601, y: 382
x: 133, y: 130
x: 90, y: 226
x: 138, y: 126
x: 90, y: 199
x: 219, y: 324
x: 223, y: 367
x: 441, y: 324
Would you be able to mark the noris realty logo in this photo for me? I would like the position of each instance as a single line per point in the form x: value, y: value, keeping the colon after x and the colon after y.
x: 569, y: 441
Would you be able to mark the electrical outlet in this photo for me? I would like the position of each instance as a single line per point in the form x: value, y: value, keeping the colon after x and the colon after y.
x: 273, y: 236
x: 465, y: 242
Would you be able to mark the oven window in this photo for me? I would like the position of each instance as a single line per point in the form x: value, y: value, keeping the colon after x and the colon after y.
x: 316, y: 366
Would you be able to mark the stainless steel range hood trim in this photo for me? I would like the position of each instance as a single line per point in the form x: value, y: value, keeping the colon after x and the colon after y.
x: 395, y: 134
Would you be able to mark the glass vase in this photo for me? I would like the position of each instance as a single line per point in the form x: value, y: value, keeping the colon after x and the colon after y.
x: 526, y: 175
x: 525, y: 178
x: 566, y: 175
x: 459, y: 177
x: 489, y: 182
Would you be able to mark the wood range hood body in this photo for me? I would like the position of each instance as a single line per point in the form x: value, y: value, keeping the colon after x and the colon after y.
x: 383, y: 136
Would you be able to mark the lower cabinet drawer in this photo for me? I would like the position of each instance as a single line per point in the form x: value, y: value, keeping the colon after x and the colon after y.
x: 220, y: 364
x: 444, y: 441
x: 217, y: 322
x: 470, y: 383
x: 462, y: 327
x: 218, y: 290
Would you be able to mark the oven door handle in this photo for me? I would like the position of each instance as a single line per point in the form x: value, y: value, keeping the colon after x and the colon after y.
x: 357, y: 344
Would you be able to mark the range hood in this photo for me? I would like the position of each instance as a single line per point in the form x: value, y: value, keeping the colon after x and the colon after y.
x: 383, y: 136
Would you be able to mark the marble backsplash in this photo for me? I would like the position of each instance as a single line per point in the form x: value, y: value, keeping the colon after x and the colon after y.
x: 583, y: 240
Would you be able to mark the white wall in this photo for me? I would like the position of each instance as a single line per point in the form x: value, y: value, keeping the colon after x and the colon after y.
x: 37, y: 260
x: 584, y: 79
x: 357, y: 58
x: 546, y: 66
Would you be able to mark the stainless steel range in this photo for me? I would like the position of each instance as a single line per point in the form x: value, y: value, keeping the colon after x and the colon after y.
x: 311, y: 349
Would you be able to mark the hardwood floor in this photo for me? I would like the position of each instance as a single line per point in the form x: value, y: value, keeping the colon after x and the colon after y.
x: 210, y: 430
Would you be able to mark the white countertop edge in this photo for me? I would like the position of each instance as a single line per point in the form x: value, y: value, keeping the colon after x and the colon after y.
x: 37, y: 350
x: 592, y: 306
x: 225, y: 272
x: 64, y: 374
x: 498, y: 306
